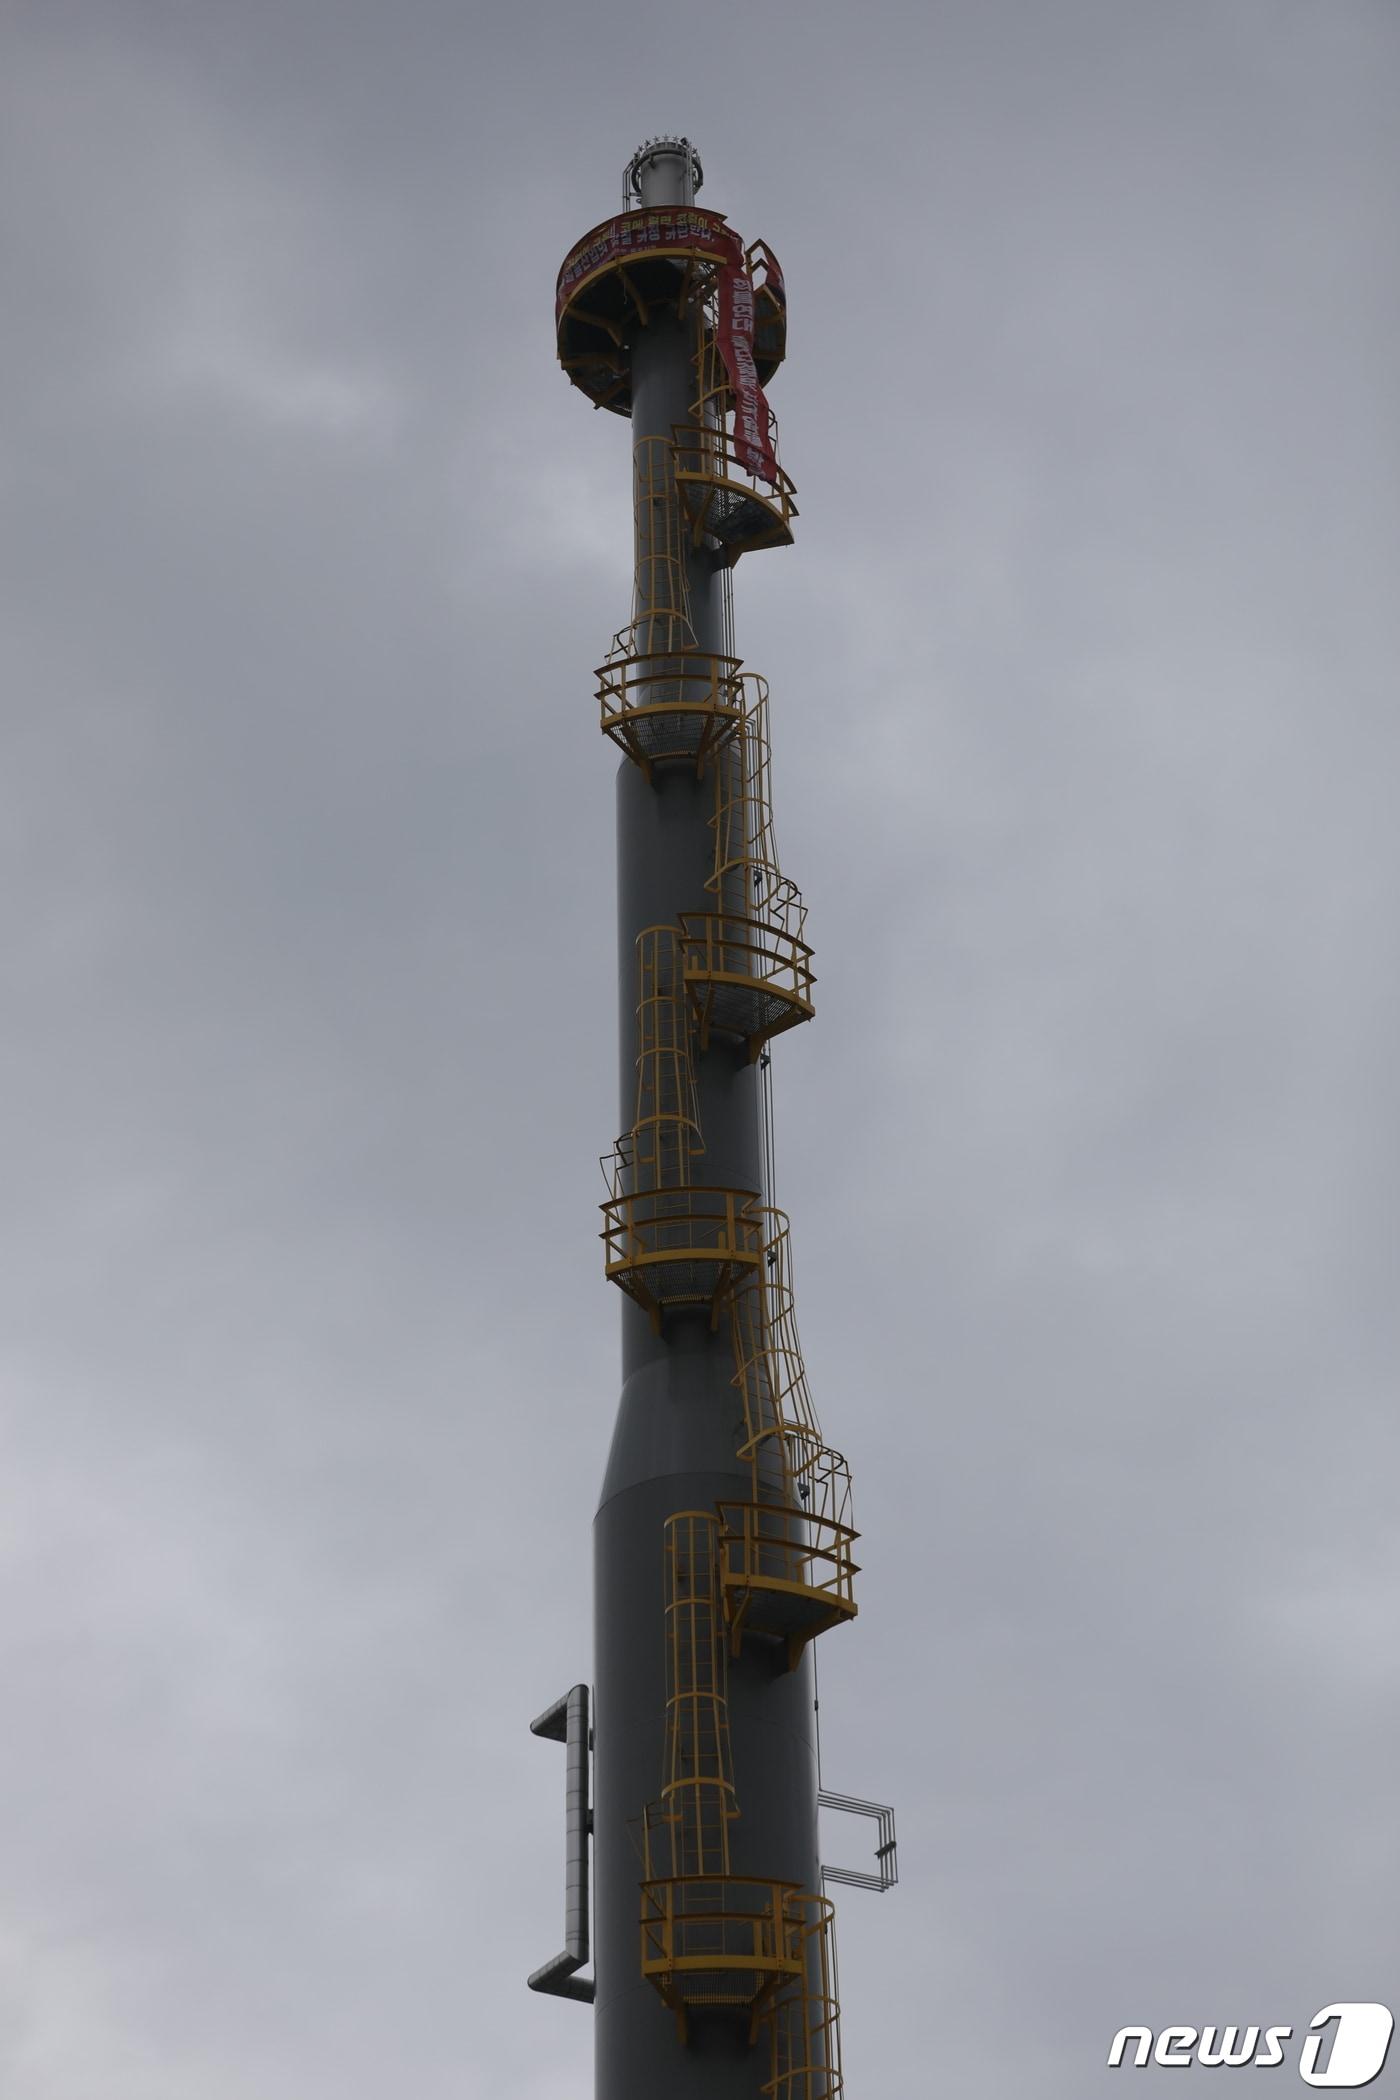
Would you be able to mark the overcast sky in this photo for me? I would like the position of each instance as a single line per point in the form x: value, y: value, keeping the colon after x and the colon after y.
x: 1084, y: 707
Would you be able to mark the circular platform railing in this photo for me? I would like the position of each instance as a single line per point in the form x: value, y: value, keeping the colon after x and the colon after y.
x: 677, y: 1248
x: 638, y: 265
x: 723, y: 498
x: 722, y: 1942
x: 749, y: 978
x: 670, y: 706
x: 784, y: 1572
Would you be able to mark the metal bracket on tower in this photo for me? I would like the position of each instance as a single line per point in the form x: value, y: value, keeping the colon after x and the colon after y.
x: 566, y: 1722
x: 887, y: 1867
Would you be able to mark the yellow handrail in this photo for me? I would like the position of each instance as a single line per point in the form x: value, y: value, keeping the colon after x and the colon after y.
x: 669, y: 704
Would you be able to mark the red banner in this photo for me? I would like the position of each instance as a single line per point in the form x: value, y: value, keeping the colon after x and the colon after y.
x: 753, y: 443
x: 682, y: 228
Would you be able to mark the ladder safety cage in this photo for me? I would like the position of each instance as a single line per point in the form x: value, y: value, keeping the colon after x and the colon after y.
x: 712, y: 1941
x: 709, y: 1939
x: 787, y: 1565
x: 660, y: 696
x: 661, y: 619
x: 697, y: 1790
x: 804, y: 2020
x: 669, y: 1242
x: 770, y: 308
x: 665, y: 1135
x: 748, y: 968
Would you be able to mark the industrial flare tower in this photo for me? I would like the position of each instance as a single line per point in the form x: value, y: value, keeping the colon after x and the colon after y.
x: 723, y: 1533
